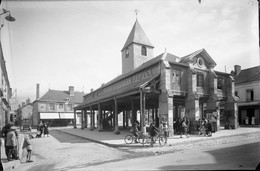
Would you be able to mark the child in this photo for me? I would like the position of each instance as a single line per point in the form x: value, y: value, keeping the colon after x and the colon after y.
x: 28, y: 145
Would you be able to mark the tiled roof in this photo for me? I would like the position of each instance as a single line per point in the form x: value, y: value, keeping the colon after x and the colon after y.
x: 248, y: 75
x: 169, y: 57
x: 58, y: 95
x: 137, y: 35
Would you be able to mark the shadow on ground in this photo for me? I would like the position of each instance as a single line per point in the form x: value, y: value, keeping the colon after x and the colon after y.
x: 67, y: 138
x: 242, y: 157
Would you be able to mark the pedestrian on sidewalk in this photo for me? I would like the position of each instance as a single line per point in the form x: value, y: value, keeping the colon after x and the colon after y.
x: 208, y: 127
x: 11, y: 145
x: 5, y: 130
x: 152, y: 130
x: 46, y: 129
x: 27, y: 144
x: 39, y: 130
x: 214, y: 119
x: 184, y: 127
x: 165, y: 131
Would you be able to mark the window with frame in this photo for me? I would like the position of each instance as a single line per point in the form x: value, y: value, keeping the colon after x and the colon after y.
x: 220, y: 83
x: 200, y: 80
x: 61, y: 107
x: 176, y: 77
x: 144, y: 51
x: 250, y: 95
x: 69, y: 107
x: 51, y: 107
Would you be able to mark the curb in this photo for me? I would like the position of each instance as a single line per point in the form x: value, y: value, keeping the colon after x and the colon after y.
x: 221, y: 139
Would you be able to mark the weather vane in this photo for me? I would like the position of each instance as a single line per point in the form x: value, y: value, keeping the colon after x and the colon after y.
x: 136, y: 13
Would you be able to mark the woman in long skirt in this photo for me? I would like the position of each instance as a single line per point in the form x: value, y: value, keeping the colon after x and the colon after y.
x: 46, y: 129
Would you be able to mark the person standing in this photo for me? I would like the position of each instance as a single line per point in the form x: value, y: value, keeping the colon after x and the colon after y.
x: 165, y: 131
x: 45, y: 129
x: 153, y: 130
x: 39, y: 130
x: 214, y: 119
x: 28, y: 145
x: 11, y: 143
x: 184, y: 128
x: 5, y: 130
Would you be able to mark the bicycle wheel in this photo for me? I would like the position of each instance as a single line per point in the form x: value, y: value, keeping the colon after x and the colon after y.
x: 162, y: 140
x: 142, y: 139
x: 128, y: 139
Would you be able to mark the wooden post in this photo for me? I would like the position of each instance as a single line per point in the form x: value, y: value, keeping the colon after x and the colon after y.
x: 75, y: 119
x: 82, y: 119
x: 116, y: 131
x: 86, y: 118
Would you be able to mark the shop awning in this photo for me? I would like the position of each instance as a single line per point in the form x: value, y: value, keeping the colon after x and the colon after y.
x: 49, y: 116
x: 56, y: 115
x: 66, y: 115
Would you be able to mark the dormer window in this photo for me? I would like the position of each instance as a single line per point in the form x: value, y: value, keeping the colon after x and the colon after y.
x: 220, y: 83
x: 144, y: 51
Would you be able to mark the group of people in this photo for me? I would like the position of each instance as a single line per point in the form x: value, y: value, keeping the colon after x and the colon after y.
x: 181, y: 126
x: 206, y: 127
x: 42, y: 129
x: 10, y: 135
x: 11, y: 143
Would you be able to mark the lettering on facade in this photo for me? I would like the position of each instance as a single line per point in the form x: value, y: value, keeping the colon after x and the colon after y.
x: 146, y: 74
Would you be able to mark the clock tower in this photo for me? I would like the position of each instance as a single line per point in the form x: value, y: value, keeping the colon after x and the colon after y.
x: 137, y: 49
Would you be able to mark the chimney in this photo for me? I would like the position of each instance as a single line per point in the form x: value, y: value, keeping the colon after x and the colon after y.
x: 37, y: 91
x: 237, y: 69
x: 28, y: 101
x: 91, y: 90
x: 71, y: 90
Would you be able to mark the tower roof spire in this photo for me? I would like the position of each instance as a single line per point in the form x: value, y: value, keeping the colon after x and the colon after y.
x: 137, y: 35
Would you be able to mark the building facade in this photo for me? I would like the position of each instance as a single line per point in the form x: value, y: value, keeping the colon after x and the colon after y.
x: 165, y: 87
x: 5, y: 88
x: 25, y: 112
x: 56, y: 107
x: 247, y: 86
x: 5, y: 92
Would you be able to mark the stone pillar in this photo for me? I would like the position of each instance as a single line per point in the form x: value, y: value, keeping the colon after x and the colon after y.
x: 231, y: 103
x: 75, y: 119
x: 116, y: 130
x: 165, y: 100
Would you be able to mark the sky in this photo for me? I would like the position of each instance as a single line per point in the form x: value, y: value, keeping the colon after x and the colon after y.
x: 78, y: 43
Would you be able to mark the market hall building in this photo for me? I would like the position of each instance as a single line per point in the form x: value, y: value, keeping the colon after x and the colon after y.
x: 165, y: 87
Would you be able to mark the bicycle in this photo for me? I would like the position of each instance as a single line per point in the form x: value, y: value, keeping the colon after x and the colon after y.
x: 158, y: 137
x: 129, y: 139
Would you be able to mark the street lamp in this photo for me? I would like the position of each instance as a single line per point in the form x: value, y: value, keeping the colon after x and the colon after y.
x: 8, y: 17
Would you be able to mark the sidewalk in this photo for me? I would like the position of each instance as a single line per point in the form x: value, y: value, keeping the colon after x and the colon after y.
x: 117, y: 140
